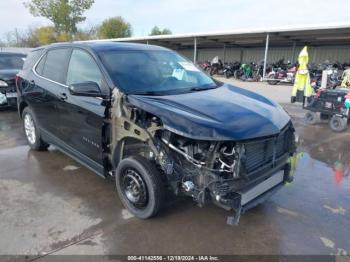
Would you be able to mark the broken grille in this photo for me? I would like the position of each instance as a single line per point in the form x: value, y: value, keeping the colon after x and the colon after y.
x: 267, y: 152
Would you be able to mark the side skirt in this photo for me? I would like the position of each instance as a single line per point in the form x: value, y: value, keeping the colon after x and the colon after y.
x: 73, y: 153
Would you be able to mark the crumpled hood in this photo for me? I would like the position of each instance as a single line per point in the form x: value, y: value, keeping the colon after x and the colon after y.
x: 224, y: 113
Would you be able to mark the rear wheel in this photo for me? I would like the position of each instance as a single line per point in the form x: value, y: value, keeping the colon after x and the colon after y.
x: 139, y: 186
x: 32, y: 132
x: 311, y: 118
x: 338, y: 124
x: 237, y: 74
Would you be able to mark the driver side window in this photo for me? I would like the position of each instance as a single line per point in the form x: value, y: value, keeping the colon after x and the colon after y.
x: 82, y: 68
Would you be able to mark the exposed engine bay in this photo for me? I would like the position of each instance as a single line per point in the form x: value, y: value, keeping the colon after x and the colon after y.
x: 208, y: 171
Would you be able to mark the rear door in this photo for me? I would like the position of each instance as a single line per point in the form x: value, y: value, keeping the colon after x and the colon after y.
x: 81, y: 118
x: 46, y: 87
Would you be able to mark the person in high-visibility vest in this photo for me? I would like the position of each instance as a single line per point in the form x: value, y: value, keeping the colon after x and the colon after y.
x: 302, y: 85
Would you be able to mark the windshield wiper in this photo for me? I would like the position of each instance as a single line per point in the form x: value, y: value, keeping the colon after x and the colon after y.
x: 202, y: 88
x: 148, y: 93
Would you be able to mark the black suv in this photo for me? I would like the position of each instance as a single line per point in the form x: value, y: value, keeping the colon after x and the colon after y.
x: 150, y: 118
x: 10, y: 64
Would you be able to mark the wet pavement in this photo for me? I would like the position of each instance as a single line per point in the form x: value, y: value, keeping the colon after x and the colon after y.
x: 50, y: 204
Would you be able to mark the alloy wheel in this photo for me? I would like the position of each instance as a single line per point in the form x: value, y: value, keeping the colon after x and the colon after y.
x: 29, y: 128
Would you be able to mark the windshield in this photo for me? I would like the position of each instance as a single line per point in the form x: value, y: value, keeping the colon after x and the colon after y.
x: 154, y: 72
x: 11, y: 61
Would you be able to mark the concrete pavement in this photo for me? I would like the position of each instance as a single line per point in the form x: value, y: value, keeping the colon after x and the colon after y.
x: 49, y: 204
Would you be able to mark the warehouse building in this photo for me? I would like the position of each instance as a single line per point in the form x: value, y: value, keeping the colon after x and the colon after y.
x: 325, y: 42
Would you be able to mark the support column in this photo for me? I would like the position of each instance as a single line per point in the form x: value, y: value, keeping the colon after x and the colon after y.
x: 241, y: 54
x: 195, y: 50
x: 293, y: 52
x: 224, y: 58
x: 266, y: 53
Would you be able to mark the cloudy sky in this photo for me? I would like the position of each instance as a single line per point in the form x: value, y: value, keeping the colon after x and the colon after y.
x: 187, y: 16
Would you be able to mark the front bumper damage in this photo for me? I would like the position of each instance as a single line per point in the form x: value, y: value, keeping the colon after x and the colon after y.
x: 235, y: 181
x: 246, y: 199
x: 8, y: 96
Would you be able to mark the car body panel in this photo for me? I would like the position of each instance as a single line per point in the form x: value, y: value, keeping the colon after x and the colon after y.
x: 9, y: 76
x: 224, y: 113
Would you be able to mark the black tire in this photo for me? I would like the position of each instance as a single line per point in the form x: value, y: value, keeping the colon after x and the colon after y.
x: 338, y: 124
x: 213, y: 71
x: 35, y: 141
x: 236, y: 75
x: 148, y: 199
x: 227, y: 74
x: 311, y: 118
x: 271, y: 80
x: 256, y: 77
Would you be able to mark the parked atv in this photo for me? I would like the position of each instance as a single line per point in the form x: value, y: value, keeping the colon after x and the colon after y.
x: 331, y: 106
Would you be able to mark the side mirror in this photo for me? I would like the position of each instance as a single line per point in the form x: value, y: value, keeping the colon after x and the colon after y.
x: 88, y: 88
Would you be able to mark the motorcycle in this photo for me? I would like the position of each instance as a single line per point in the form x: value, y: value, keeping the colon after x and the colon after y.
x: 217, y: 67
x: 333, y: 76
x: 315, y: 79
x: 230, y: 68
x: 280, y: 75
x: 206, y: 66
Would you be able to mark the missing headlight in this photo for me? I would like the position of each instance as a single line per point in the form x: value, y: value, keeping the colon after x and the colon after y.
x: 217, y: 157
x: 229, y: 159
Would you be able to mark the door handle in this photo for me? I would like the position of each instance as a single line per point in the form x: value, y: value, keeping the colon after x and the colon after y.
x: 62, y: 96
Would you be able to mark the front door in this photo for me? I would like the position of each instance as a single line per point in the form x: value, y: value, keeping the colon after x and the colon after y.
x: 81, y: 118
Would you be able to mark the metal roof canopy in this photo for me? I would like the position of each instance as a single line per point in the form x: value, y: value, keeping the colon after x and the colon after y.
x: 312, y: 35
x: 315, y: 35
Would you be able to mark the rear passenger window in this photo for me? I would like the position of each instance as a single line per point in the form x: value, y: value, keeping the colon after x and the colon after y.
x: 55, y: 67
x: 32, y: 58
x: 82, y: 68
x: 40, y: 66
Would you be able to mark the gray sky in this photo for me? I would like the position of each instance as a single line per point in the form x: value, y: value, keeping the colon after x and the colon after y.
x: 193, y: 15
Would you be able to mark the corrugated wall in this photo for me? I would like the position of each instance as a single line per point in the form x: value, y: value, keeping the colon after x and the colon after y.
x: 317, y: 54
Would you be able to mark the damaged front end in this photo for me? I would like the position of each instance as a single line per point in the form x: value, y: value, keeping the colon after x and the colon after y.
x: 235, y: 175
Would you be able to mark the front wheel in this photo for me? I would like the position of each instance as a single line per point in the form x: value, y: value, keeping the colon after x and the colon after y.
x: 272, y: 80
x: 32, y: 132
x: 338, y: 124
x: 139, y: 186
